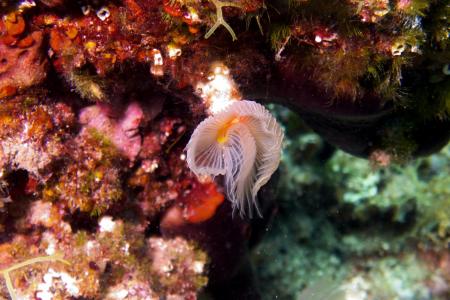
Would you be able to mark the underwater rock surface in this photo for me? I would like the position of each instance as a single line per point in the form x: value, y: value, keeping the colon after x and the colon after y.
x: 99, y: 98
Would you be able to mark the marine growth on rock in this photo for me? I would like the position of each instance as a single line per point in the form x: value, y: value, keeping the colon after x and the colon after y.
x: 127, y: 148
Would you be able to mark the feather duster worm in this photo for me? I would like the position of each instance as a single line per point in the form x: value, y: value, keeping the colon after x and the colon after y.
x: 243, y: 143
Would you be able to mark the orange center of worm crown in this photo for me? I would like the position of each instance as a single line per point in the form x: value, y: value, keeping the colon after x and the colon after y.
x: 222, y: 133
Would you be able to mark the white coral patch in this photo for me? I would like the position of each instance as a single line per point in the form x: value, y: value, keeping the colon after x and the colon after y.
x: 219, y: 91
x: 56, y: 280
x: 106, y: 224
x: 198, y: 267
x: 24, y: 154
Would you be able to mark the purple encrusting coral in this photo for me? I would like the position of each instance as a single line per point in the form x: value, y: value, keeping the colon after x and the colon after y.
x: 98, y: 100
x: 122, y: 130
